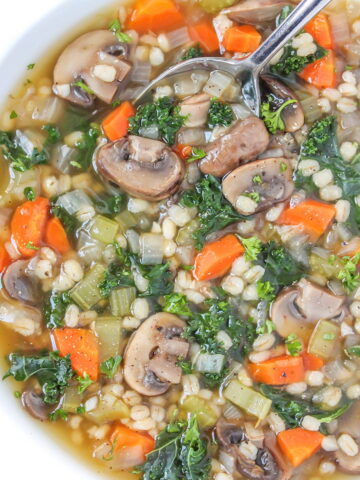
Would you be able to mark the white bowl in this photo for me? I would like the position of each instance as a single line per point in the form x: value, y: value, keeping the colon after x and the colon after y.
x: 27, y: 449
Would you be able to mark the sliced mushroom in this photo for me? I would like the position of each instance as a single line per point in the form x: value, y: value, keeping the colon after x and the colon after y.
x: 20, y: 284
x: 142, y: 167
x: 255, y: 11
x: 195, y: 109
x: 96, y: 59
x: 270, y: 178
x: 244, y: 141
x: 293, y: 114
x: 298, y: 308
x: 34, y: 405
x: 152, y: 352
x: 264, y: 467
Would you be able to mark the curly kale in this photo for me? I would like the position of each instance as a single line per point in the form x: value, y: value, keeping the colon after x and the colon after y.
x: 55, y: 308
x: 193, y: 52
x: 220, y: 113
x: 20, y: 160
x: 291, y: 62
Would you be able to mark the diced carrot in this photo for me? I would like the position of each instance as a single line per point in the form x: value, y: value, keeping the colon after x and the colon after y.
x: 5, y: 259
x: 242, y: 38
x: 216, y: 258
x: 278, y: 370
x: 155, y: 16
x: 204, y: 33
x: 312, y: 362
x: 319, y: 27
x: 314, y: 216
x: 116, y: 124
x: 55, y: 236
x: 123, y: 437
x: 321, y: 73
x: 28, y: 225
x: 299, y: 444
x: 82, y: 346
x: 184, y: 151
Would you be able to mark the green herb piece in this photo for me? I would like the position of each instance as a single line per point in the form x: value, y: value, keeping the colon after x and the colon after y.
x: 164, y: 114
x: 109, y: 205
x: 31, y: 246
x: 30, y: 66
x: 349, y: 275
x: 115, y: 27
x: 185, y: 365
x: 53, y: 134
x: 13, y: 115
x: 58, y: 414
x: 84, y: 87
x: 193, y: 52
x: 55, y: 308
x: 84, y: 382
x: 69, y: 222
x: 86, y: 146
x: 80, y: 410
x: 283, y: 167
x: 214, y: 211
x: 181, y: 451
x: 267, y: 327
x: 17, y: 394
x: 254, y: 196
x: 110, y: 366
x: 17, y: 157
x: 265, y: 291
x: 294, y: 346
x: 272, y: 115
x: 354, y: 350
x: 177, y: 304
x: 291, y: 62
x: 253, y: 248
x: 51, y: 371
x: 220, y: 113
x: 116, y: 103
x: 257, y: 180
x: 29, y: 193
x: 196, y: 154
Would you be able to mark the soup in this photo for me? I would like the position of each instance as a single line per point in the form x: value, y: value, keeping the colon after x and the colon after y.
x: 180, y: 279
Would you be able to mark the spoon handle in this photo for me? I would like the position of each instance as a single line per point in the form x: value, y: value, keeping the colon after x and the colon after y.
x: 298, y: 18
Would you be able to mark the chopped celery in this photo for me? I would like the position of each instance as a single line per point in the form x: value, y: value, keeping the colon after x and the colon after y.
x: 108, y: 330
x: 133, y: 240
x: 126, y: 220
x: 323, y: 267
x: 107, y: 412
x: 248, y: 399
x: 104, y: 229
x: 323, y: 339
x: 185, y: 234
x: 207, y: 363
x: 86, y: 293
x: 205, y: 415
x: 121, y: 300
x: 214, y: 6
x: 72, y: 399
x: 151, y: 248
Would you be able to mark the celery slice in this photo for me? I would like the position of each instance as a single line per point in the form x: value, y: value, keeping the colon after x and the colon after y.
x: 323, y: 339
x: 72, y: 399
x: 104, y: 229
x: 184, y: 236
x: 107, y: 412
x: 207, y: 363
x: 121, y: 300
x: 214, y: 6
x: 248, y: 399
x: 205, y: 415
x: 126, y: 220
x: 86, y: 293
x: 151, y: 248
x: 109, y: 332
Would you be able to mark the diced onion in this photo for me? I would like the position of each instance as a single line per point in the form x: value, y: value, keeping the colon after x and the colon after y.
x: 231, y: 412
x: 185, y: 254
x: 62, y: 156
x: 151, y: 248
x: 174, y: 39
x: 349, y: 120
x: 191, y: 136
x: 133, y: 239
x: 74, y: 201
x: 130, y: 93
x: 207, y: 363
x: 340, y: 28
x: 48, y: 110
x: 240, y: 111
x: 141, y: 72
x: 217, y: 84
x: 228, y: 461
x: 89, y: 249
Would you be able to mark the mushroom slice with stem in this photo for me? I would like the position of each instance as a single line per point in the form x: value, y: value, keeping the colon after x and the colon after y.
x: 195, y: 109
x: 297, y: 309
x: 244, y: 141
x: 292, y: 115
x: 255, y: 11
x: 266, y: 182
x: 152, y: 352
x: 142, y: 167
x: 94, y: 65
x: 20, y: 284
x: 264, y: 467
x: 34, y: 404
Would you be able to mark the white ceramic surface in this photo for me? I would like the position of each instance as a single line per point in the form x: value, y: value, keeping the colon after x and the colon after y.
x: 27, y: 29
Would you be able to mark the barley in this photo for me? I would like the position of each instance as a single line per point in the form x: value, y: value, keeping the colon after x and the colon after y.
x: 140, y: 308
x: 324, y: 104
x: 169, y: 229
x: 131, y: 398
x: 343, y: 208
x: 355, y: 309
x: 145, y: 424
x: 156, y: 57
x: 246, y: 204
x: 323, y: 178
x: 302, y: 39
x: 346, y: 105
x: 240, y: 266
x: 179, y: 215
x: 348, y: 150
x: 157, y: 413
x: 139, y: 412
x: 265, y: 341
x: 274, y: 213
x: 331, y: 94
x: 348, y: 445
x: 250, y: 293
x: 91, y: 404
x: 310, y: 423
x: 249, y: 450
x: 131, y: 323
x: 327, y: 468
x: 254, y: 274
x: 43, y: 269
x: 353, y: 392
x: 330, y: 193
x: 137, y: 205
x: 276, y: 423
x: 73, y: 270
x: 190, y: 384
x: 71, y: 317
x: 257, y: 357
x: 233, y: 285
x: 329, y: 443
x: 308, y: 167
x: 296, y: 388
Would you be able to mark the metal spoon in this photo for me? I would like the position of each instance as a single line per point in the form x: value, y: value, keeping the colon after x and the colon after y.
x: 247, y: 71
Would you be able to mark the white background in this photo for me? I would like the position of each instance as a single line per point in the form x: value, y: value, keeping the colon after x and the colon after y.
x: 20, y: 455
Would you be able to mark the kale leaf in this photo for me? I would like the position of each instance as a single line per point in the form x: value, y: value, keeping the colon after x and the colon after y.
x: 109, y: 205
x: 180, y: 453
x: 53, y: 134
x: 193, y: 52
x: 69, y: 222
x: 272, y: 114
x: 52, y: 372
x: 55, y: 308
x: 163, y: 113
x: 214, y: 211
x: 177, y: 304
x: 18, y: 158
x: 220, y: 113
x: 291, y: 62
x: 86, y: 147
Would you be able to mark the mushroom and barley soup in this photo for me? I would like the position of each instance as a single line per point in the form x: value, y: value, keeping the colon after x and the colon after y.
x: 180, y: 279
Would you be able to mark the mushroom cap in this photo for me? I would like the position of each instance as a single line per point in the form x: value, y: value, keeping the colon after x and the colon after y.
x: 244, y: 141
x: 297, y: 309
x: 276, y: 186
x: 152, y: 352
x: 34, y: 404
x: 292, y: 115
x: 77, y: 62
x: 195, y: 109
x: 255, y: 11
x: 20, y: 285
x: 144, y: 168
